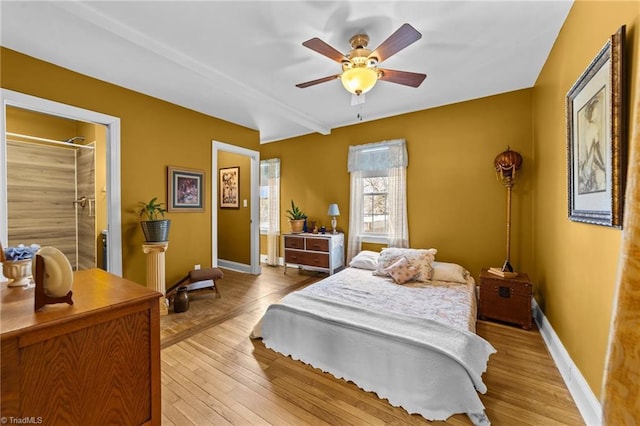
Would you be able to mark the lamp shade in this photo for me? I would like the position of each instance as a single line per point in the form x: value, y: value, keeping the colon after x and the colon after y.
x: 359, y: 80
x: 333, y: 210
x: 507, y: 163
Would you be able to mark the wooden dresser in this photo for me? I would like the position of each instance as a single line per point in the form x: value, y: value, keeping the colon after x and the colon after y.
x: 317, y: 252
x: 505, y: 299
x: 94, y: 362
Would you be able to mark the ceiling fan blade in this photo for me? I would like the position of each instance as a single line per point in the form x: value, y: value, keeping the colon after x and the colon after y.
x: 403, y: 37
x: 318, y: 81
x: 406, y: 78
x: 324, y: 49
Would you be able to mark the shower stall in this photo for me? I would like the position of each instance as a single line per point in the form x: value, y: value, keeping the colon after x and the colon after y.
x: 51, y: 196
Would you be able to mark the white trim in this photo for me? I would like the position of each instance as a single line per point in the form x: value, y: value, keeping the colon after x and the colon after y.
x: 263, y: 259
x: 217, y: 146
x: 585, y: 400
x: 234, y: 266
x: 45, y: 106
x: 374, y: 239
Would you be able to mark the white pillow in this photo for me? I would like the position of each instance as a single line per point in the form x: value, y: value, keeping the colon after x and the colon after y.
x: 365, y: 260
x: 421, y: 259
x: 444, y: 271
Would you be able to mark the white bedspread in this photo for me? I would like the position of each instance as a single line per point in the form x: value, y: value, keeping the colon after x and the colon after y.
x: 386, y: 338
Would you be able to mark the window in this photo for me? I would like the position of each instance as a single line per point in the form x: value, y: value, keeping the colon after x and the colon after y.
x: 375, y: 215
x: 264, y: 207
x: 378, y: 195
x: 269, y: 194
x: 270, y: 206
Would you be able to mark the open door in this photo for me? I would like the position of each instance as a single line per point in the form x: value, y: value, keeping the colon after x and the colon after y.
x: 235, y: 239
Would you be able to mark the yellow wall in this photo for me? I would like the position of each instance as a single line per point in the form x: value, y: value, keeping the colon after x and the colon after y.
x: 575, y: 263
x: 234, y: 232
x: 455, y: 203
x: 154, y: 134
x: 47, y: 126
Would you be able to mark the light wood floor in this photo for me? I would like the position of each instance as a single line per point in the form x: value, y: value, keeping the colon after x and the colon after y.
x: 213, y: 374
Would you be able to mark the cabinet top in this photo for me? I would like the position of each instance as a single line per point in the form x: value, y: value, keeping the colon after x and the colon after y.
x: 93, y: 290
x: 318, y: 235
x: 522, y: 277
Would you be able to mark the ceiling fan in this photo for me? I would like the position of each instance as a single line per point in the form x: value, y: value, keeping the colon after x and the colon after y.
x: 360, y: 70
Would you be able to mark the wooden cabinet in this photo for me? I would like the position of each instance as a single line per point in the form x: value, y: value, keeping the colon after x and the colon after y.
x: 505, y: 299
x: 94, y: 362
x: 318, y: 252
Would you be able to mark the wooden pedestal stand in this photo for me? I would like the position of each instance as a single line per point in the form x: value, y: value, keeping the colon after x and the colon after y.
x: 155, y: 271
x: 41, y: 298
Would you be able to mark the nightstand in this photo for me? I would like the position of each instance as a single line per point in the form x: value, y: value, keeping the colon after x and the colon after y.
x: 505, y: 299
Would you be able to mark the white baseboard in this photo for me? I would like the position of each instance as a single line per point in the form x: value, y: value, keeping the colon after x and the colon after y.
x: 263, y: 259
x: 234, y: 266
x: 585, y: 400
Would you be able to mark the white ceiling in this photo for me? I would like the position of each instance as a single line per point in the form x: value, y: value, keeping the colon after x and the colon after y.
x: 240, y: 60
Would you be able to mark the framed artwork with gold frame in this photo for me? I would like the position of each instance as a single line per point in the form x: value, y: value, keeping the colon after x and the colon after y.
x: 596, y: 138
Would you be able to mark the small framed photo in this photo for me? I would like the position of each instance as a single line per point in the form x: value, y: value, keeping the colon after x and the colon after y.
x: 186, y: 190
x: 596, y: 138
x: 230, y: 188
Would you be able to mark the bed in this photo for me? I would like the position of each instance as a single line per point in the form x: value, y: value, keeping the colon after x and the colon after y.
x: 413, y: 344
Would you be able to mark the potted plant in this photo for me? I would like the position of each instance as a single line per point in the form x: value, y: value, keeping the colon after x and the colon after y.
x: 155, y: 230
x: 296, y: 218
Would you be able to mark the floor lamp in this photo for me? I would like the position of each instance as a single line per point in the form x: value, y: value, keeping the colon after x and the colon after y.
x: 507, y: 163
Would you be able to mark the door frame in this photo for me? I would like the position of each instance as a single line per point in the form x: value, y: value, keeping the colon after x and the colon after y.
x: 216, y: 147
x: 45, y: 106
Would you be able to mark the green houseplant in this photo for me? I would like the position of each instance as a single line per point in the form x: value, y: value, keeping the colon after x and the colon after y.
x: 296, y: 218
x: 155, y: 229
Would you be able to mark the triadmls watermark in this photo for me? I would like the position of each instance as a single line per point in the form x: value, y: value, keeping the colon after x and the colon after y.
x: 26, y: 420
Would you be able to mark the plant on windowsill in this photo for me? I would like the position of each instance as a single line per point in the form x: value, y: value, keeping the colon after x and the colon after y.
x: 155, y: 230
x: 296, y: 218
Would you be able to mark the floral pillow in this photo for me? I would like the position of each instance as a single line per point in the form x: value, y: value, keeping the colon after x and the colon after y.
x: 401, y: 271
x: 421, y: 259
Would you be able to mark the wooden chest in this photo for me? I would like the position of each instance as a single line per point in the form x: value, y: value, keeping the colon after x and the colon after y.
x: 505, y: 299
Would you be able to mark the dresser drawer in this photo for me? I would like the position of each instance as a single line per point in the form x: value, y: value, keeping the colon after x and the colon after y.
x: 320, y: 260
x: 294, y: 242
x: 317, y: 244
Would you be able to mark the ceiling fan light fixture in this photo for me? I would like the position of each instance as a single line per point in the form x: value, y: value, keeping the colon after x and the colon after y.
x: 359, y: 80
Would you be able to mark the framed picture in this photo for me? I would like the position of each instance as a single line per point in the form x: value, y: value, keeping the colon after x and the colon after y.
x: 596, y: 139
x: 186, y: 190
x: 230, y: 188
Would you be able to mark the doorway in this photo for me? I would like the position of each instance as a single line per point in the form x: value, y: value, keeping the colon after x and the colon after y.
x: 52, y: 180
x: 113, y: 238
x: 253, y: 221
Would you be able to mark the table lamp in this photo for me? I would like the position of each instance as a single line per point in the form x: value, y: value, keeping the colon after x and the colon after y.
x: 333, y: 211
